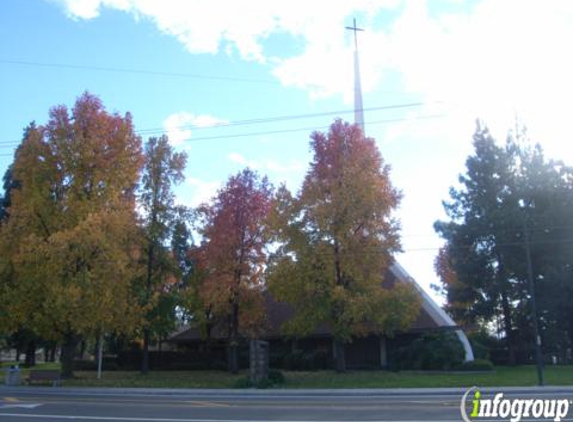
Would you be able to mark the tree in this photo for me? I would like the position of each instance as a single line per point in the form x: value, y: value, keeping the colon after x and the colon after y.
x: 68, y: 242
x: 233, y: 256
x: 459, y: 299
x: 5, y: 200
x: 162, y: 169
x: 336, y: 242
x: 483, y: 220
x: 181, y: 243
x: 21, y: 340
x: 181, y: 248
x: 5, y: 270
x: 546, y: 197
x: 505, y: 191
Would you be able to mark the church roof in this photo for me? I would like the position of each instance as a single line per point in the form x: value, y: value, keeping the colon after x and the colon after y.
x: 430, y: 317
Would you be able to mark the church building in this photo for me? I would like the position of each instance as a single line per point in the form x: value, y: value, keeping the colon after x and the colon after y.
x: 371, y: 351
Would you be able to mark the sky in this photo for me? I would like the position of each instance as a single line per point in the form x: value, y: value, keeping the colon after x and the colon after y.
x: 238, y: 84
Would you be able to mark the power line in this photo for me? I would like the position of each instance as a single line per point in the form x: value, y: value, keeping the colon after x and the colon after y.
x: 161, y: 130
x: 136, y: 71
x: 286, y: 117
x: 305, y: 129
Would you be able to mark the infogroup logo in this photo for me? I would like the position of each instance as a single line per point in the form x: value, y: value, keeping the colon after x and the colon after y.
x: 512, y: 409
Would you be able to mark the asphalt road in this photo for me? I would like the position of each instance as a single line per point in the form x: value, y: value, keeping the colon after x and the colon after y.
x: 36, y: 404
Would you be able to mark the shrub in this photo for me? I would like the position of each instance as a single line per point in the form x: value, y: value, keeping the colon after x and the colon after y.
x: 174, y: 360
x: 431, y: 351
x: 276, y: 377
x: 303, y: 361
x: 243, y: 382
x: 264, y: 383
x: 477, y: 365
x: 485, y: 345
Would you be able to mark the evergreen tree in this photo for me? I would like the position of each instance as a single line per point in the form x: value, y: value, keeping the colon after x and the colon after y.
x: 505, y: 192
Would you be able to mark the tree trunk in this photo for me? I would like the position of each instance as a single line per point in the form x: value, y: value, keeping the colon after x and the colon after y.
x: 96, y: 346
x: 145, y: 355
x: 82, y: 349
x: 506, y: 310
x: 340, y: 358
x: 234, y: 341
x: 508, y: 328
x: 53, y: 352
x: 209, y: 328
x: 294, y: 345
x: 30, y: 359
x: 159, y: 354
x: 146, y: 334
x: 68, y: 353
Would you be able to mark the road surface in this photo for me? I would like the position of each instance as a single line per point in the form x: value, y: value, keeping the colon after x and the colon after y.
x: 37, y: 404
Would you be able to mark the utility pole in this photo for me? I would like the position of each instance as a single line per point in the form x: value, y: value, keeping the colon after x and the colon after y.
x: 538, y: 356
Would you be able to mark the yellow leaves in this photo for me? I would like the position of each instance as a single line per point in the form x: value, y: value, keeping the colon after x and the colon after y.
x: 72, y: 226
x: 337, y: 237
x: 79, y: 278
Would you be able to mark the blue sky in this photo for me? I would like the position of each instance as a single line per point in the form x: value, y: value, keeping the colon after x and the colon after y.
x: 181, y: 67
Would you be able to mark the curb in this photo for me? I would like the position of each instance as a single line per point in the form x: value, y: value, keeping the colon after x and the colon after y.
x: 360, y: 392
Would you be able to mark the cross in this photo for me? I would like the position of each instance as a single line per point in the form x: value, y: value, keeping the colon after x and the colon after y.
x: 355, y: 29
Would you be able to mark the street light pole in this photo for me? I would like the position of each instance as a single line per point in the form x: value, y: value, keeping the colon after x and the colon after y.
x: 538, y: 356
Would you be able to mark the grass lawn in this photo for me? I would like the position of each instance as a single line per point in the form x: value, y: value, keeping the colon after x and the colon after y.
x: 49, y: 365
x: 155, y: 379
x: 502, y: 376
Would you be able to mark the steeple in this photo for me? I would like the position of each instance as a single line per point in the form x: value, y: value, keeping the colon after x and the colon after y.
x: 358, y: 107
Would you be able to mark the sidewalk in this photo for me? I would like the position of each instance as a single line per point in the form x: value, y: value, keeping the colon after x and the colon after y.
x: 364, y: 392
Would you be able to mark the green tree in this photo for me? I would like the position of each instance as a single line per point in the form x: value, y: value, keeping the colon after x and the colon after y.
x: 505, y: 191
x: 483, y: 225
x: 336, y: 240
x: 546, y: 197
x: 68, y: 243
x: 163, y: 168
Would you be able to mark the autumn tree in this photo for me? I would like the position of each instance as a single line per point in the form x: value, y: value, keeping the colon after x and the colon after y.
x: 23, y: 339
x: 163, y: 168
x: 465, y: 304
x: 5, y: 200
x: 197, y: 302
x: 336, y: 240
x: 5, y: 270
x: 233, y: 256
x: 68, y: 241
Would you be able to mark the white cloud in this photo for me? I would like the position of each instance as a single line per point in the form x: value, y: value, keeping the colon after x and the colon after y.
x: 496, y: 61
x: 490, y: 55
x: 201, y: 191
x: 179, y: 125
x: 292, y: 166
x: 239, y: 159
x: 223, y: 25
